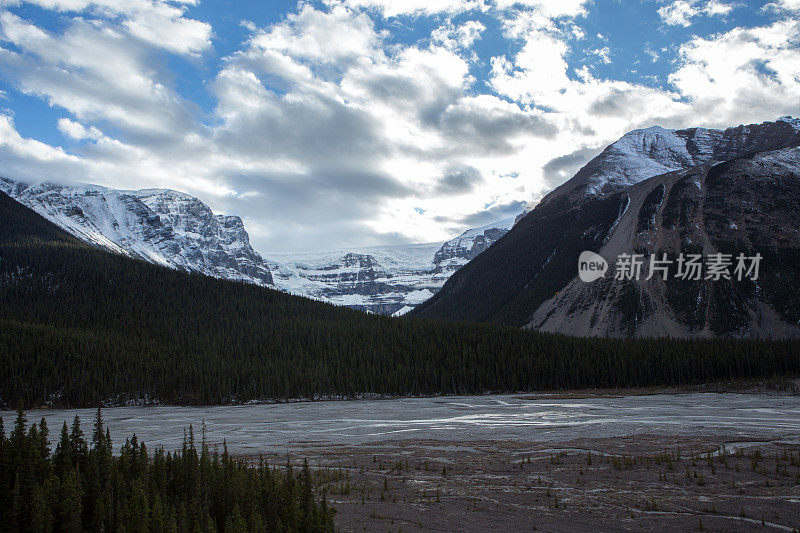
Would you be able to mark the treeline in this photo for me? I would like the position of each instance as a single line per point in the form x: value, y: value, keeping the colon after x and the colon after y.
x: 79, y: 326
x: 83, y: 486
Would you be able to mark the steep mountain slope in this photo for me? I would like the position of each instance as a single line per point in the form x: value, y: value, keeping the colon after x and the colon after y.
x: 748, y: 205
x: 733, y: 191
x: 80, y: 326
x: 161, y: 226
x: 178, y: 230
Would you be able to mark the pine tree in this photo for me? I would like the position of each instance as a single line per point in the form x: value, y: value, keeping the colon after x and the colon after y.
x: 68, y: 510
x: 19, y: 446
x: 77, y: 443
x: 62, y: 457
x: 98, y: 433
x: 306, y: 498
x: 157, y: 515
x: 41, y: 517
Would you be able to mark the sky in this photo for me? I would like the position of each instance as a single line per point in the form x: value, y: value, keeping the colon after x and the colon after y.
x: 341, y: 123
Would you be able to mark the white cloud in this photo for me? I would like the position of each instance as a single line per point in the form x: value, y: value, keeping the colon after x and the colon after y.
x: 791, y: 6
x: 548, y: 8
x: 742, y: 75
x: 394, y: 8
x: 95, y: 71
x: 322, y: 37
x: 157, y: 22
x: 15, y: 143
x: 681, y: 12
x: 75, y: 130
x: 164, y: 26
x: 458, y: 37
x: 603, y: 53
x: 34, y: 160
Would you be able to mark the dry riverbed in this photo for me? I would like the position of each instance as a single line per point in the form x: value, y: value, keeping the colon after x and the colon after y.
x: 557, y: 461
x: 642, y: 483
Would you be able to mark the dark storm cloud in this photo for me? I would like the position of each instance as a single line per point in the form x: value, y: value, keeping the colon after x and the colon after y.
x: 493, y: 214
x: 490, y: 126
x: 459, y: 180
x: 560, y: 169
x: 327, y: 205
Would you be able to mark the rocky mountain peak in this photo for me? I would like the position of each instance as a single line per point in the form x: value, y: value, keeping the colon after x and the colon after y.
x: 361, y: 261
x: 163, y: 226
x: 644, y: 153
x: 456, y: 252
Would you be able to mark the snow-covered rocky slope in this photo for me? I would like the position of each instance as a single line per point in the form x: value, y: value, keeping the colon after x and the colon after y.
x: 642, y: 154
x: 381, y: 279
x: 162, y: 226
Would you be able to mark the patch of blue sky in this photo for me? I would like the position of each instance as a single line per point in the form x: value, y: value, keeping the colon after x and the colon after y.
x: 643, y: 48
x: 33, y: 117
x: 46, y: 19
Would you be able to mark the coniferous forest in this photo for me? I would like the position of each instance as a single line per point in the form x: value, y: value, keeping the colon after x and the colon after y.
x: 80, y: 326
x: 83, y: 486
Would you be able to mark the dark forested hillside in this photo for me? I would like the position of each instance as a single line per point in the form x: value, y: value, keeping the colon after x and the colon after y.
x: 79, y: 325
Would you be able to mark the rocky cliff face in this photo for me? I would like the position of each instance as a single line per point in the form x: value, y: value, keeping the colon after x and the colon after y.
x: 749, y: 205
x: 654, y: 192
x: 161, y: 226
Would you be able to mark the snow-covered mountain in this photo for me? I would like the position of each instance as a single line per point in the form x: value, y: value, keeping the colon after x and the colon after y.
x: 644, y: 153
x: 641, y: 154
x: 162, y: 226
x: 177, y: 230
x: 382, y: 279
x: 455, y: 253
x: 652, y: 192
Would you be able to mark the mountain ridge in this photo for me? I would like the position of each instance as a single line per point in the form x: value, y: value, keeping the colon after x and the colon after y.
x: 162, y: 226
x: 643, y: 153
x: 529, y: 277
x: 178, y: 230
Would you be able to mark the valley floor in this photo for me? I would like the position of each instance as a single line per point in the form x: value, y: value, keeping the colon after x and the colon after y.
x: 635, y: 483
x: 567, y: 461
